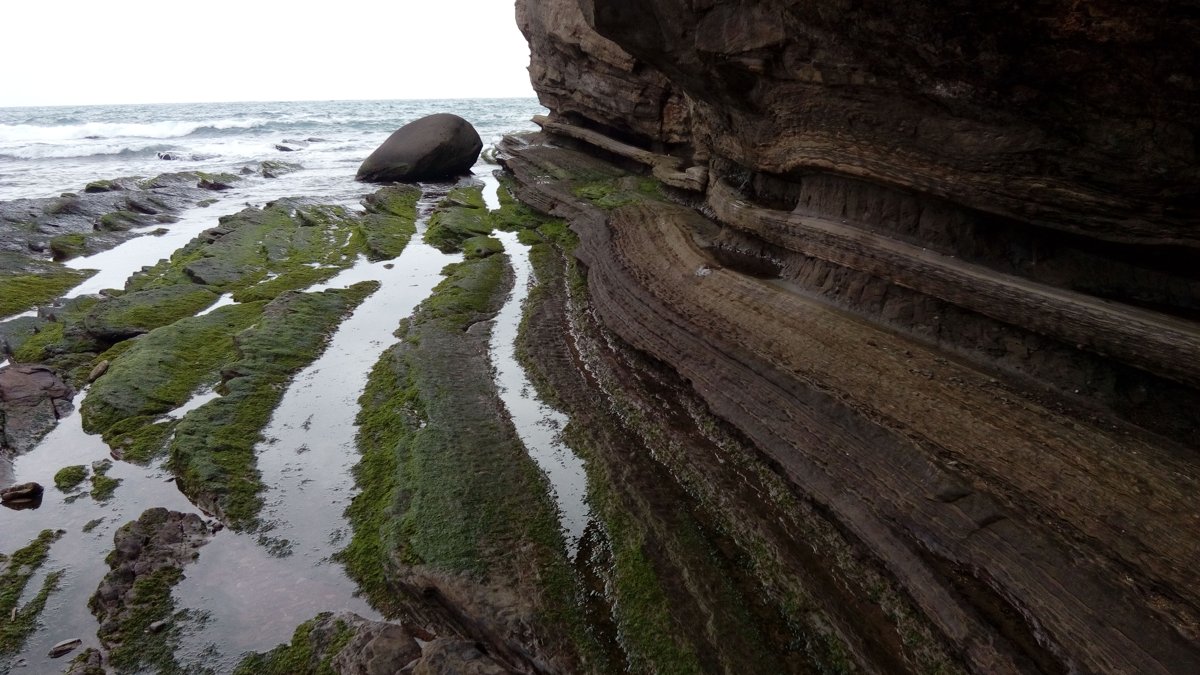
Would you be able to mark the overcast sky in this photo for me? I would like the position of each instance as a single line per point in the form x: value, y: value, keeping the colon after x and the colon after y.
x: 55, y: 52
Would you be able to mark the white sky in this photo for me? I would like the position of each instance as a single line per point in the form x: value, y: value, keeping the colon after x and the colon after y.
x: 64, y: 52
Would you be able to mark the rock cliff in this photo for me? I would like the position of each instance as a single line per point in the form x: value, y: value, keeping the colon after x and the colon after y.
x: 933, y: 266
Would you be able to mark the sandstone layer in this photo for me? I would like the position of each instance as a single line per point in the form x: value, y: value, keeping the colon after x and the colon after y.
x: 936, y: 266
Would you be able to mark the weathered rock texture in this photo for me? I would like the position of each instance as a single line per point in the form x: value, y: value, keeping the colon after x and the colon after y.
x: 434, y: 147
x: 32, y: 398
x: 937, y: 265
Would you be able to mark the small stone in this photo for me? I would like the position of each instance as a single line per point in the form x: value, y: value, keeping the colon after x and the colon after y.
x: 63, y: 648
x: 157, y: 626
x: 25, y: 492
x: 100, y: 369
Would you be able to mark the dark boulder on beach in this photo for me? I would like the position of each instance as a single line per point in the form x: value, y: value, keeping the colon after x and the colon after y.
x: 431, y: 148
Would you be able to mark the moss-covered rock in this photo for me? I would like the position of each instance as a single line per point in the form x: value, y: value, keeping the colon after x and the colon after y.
x: 67, y: 246
x: 212, y: 452
x: 17, y: 569
x: 311, y: 651
x: 69, y: 477
x: 390, y: 220
x: 160, y: 370
x: 460, y: 216
x: 25, y: 283
x: 133, y: 604
x: 102, y: 186
x: 120, y: 221
x: 139, y: 312
x: 481, y: 247
x: 447, y: 489
x: 103, y: 486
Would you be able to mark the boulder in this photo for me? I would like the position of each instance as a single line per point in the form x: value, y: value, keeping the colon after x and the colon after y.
x: 25, y: 492
x: 432, y: 148
x: 32, y: 398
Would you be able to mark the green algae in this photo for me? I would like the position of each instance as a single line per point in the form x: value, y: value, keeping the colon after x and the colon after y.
x: 460, y: 216
x: 102, y: 186
x: 390, y: 221
x: 69, y: 477
x: 34, y: 284
x: 139, y: 439
x: 257, y: 254
x: 121, y: 221
x: 138, y: 646
x: 481, y: 247
x: 445, y: 483
x: 67, y: 246
x: 449, y: 227
x: 162, y: 369
x: 212, y: 451
x: 300, y: 656
x: 38, y: 346
x: 103, y: 486
x: 139, y: 312
x: 609, y: 194
x: 18, y: 622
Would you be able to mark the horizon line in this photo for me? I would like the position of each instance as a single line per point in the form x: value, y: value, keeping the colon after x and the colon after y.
x: 532, y: 94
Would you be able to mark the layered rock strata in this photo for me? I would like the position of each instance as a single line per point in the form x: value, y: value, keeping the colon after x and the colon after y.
x: 1032, y: 533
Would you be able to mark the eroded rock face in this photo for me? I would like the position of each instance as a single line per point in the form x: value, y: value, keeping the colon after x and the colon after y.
x: 147, y: 559
x: 584, y: 76
x: 347, y: 644
x: 937, y: 262
x: 32, y: 398
x: 432, y: 148
x: 1079, y: 117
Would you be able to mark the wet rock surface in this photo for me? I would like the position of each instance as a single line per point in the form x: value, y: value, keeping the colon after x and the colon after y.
x: 347, y: 644
x: 101, y: 214
x: 147, y: 559
x: 435, y: 147
x: 32, y: 398
x: 960, y: 508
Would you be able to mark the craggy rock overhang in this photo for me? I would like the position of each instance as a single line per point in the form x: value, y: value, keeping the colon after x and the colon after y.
x: 1012, y: 188
x: 1073, y: 115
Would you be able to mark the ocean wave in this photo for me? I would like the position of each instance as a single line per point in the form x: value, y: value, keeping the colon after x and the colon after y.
x: 86, y: 152
x: 36, y: 133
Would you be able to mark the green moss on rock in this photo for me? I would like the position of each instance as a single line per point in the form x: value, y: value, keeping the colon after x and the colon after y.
x: 161, y: 369
x: 481, y: 247
x: 103, y: 486
x: 139, y: 312
x: 460, y: 216
x: 120, y: 221
x: 301, y: 656
x: 25, y: 285
x: 67, y: 246
x: 390, y: 221
x: 17, y: 622
x: 212, y: 453
x: 69, y: 477
x: 446, y: 485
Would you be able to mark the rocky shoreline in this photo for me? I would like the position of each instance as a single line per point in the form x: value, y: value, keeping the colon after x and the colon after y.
x: 852, y: 392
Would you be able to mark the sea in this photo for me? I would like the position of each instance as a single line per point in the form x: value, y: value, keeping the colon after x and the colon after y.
x: 247, y: 591
x: 47, y: 151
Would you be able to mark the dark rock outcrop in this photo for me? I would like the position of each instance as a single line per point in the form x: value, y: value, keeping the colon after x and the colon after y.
x: 936, y: 263
x: 103, y: 213
x: 32, y: 398
x: 435, y: 147
x: 134, y: 598
x: 18, y: 494
x: 347, y: 644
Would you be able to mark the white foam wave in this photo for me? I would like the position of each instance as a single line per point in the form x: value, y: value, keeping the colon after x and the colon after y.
x: 33, y: 133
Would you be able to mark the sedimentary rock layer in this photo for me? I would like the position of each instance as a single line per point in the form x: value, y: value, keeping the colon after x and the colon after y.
x: 1031, y: 537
